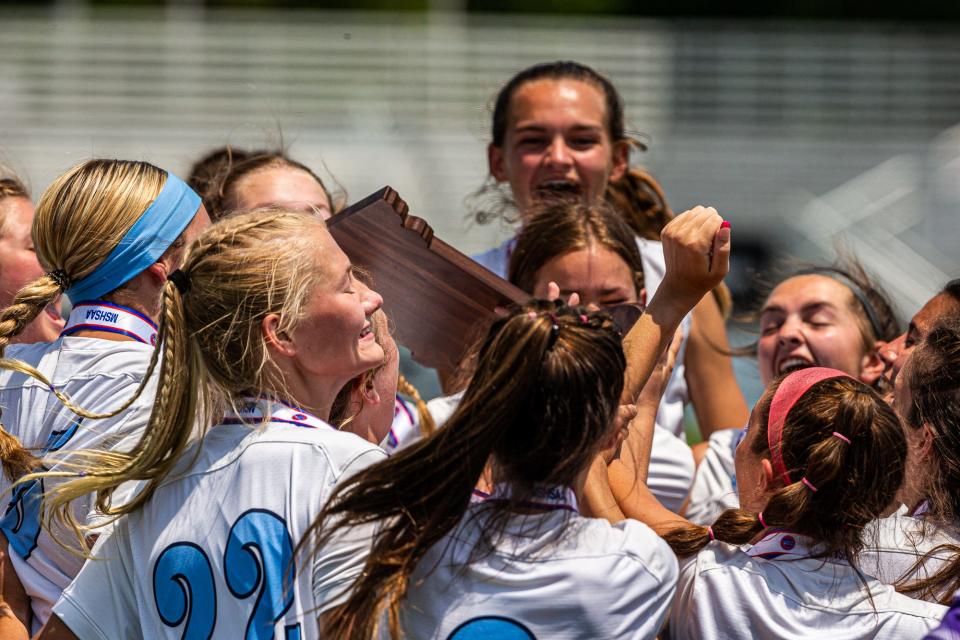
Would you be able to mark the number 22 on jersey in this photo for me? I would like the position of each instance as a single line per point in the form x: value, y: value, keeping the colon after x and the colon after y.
x: 257, y: 565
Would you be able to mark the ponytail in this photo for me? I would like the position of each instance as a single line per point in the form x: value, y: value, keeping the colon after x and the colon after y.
x: 847, y: 448
x: 164, y: 439
x: 545, y: 392
x: 214, y: 353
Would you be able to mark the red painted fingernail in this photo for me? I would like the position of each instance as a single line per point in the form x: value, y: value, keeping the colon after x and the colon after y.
x: 725, y: 224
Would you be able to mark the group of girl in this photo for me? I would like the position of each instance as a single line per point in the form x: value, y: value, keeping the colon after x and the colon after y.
x: 212, y: 444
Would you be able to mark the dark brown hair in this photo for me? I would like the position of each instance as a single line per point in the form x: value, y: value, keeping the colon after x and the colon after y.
x: 543, y: 398
x: 490, y: 205
x: 559, y: 227
x: 216, y: 175
x: 856, y: 482
x: 932, y: 375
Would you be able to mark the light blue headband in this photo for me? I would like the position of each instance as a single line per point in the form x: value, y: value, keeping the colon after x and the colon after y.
x: 152, y: 234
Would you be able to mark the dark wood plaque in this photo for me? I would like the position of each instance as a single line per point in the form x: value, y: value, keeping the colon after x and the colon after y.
x: 438, y: 300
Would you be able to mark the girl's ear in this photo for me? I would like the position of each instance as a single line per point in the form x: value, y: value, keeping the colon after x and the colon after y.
x: 369, y: 391
x: 621, y: 160
x: 276, y: 339
x: 495, y: 162
x: 872, y: 366
x: 766, y: 477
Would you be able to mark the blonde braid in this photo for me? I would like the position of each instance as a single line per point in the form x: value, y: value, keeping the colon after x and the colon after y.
x: 213, y: 352
x: 427, y: 424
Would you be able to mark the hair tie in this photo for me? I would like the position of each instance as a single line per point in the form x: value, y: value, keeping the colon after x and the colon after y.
x: 60, y: 277
x: 554, y: 331
x: 180, y: 280
x: 710, y: 533
x: 842, y: 437
x: 791, y: 389
x: 760, y: 518
x: 808, y: 484
x: 157, y: 228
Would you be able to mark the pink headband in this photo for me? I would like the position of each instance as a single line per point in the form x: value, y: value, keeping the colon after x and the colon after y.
x: 790, y: 390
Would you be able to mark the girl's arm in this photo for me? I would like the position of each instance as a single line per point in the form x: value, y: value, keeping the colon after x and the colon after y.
x: 696, y: 251
x: 717, y: 399
x: 12, y: 592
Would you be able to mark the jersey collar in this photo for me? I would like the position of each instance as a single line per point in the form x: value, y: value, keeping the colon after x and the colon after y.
x: 259, y: 410
x: 98, y: 315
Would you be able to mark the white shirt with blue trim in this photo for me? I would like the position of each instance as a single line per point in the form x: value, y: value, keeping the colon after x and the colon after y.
x: 210, y: 553
x: 99, y: 375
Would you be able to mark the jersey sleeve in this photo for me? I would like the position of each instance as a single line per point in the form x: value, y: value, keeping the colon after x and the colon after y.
x: 642, y: 584
x: 99, y: 603
x: 338, y: 564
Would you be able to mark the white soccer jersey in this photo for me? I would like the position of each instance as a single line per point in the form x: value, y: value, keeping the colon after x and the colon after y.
x: 99, y: 375
x: 772, y: 590
x: 211, y: 554
x: 714, y: 487
x: 895, y: 544
x: 555, y: 575
x: 405, y: 429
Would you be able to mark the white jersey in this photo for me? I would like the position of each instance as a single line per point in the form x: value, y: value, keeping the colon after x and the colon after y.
x: 895, y: 544
x: 670, y: 414
x: 671, y: 460
x: 715, y: 484
x: 211, y: 554
x: 99, y: 375
x: 554, y: 574
x: 405, y: 429
x: 772, y: 590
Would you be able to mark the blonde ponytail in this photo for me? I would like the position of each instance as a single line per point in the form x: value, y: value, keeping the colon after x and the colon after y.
x: 238, y: 271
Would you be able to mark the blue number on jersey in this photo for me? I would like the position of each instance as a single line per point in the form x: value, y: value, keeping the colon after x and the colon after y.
x: 491, y: 628
x: 259, y: 558
x: 21, y: 521
x: 184, y: 591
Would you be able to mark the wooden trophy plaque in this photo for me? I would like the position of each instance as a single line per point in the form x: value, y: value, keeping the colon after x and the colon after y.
x: 438, y: 300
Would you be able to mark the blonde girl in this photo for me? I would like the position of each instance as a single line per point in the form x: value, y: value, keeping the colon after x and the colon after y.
x: 108, y: 233
x: 260, y: 329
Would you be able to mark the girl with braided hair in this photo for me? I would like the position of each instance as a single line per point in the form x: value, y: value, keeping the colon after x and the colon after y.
x: 108, y: 232
x: 260, y: 328
x: 823, y: 457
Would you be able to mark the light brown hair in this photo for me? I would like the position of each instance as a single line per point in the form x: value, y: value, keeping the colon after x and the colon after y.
x: 221, y: 171
x: 560, y: 227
